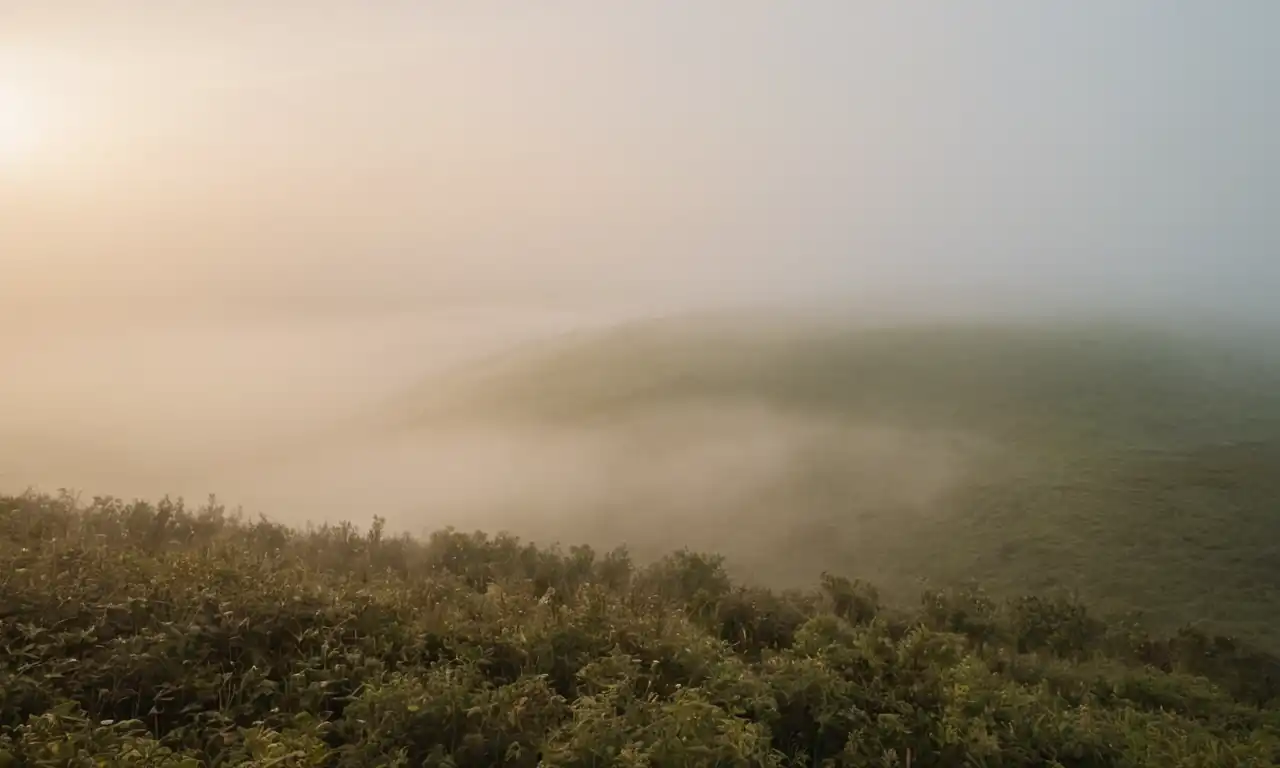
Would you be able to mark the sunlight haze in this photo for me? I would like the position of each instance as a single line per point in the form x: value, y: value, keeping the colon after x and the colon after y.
x: 582, y: 383
x: 228, y: 229
x: 654, y: 155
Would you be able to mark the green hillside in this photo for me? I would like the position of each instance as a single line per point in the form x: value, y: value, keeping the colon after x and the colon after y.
x: 1135, y: 466
x: 1131, y: 386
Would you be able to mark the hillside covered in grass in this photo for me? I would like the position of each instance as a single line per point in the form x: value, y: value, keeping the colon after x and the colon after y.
x: 1134, y: 465
x: 159, y: 635
x: 1131, y: 385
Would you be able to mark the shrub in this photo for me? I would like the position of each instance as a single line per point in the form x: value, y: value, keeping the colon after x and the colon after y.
x: 164, y: 635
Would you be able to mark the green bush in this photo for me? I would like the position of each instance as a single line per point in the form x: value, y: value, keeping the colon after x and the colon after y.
x: 161, y: 635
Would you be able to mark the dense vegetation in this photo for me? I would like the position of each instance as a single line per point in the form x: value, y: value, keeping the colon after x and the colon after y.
x: 1130, y: 464
x: 159, y: 635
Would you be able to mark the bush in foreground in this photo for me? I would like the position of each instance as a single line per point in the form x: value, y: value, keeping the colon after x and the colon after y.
x: 158, y: 635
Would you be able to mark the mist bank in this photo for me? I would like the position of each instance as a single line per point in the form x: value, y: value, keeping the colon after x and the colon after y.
x: 791, y: 442
x: 148, y: 400
x: 143, y: 403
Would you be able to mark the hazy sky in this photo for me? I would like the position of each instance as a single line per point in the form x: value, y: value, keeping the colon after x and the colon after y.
x: 645, y: 152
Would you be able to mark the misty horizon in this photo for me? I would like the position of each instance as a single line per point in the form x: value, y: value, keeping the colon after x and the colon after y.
x: 655, y: 159
x: 231, y: 232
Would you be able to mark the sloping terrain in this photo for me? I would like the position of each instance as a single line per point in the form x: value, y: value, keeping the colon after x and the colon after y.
x: 1136, y: 466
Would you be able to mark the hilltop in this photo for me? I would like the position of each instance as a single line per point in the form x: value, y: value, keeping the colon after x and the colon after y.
x: 1129, y: 464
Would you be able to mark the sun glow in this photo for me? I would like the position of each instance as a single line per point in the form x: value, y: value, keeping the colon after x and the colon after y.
x: 19, y: 125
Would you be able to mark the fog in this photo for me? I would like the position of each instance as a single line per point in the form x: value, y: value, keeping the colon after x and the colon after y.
x: 654, y: 156
x: 246, y: 226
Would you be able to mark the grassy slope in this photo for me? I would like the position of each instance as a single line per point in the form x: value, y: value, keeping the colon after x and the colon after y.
x: 1138, y: 467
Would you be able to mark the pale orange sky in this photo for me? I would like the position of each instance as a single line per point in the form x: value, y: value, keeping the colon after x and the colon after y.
x: 650, y: 152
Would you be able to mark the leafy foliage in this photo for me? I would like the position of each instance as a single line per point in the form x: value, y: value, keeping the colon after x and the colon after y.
x: 161, y: 635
